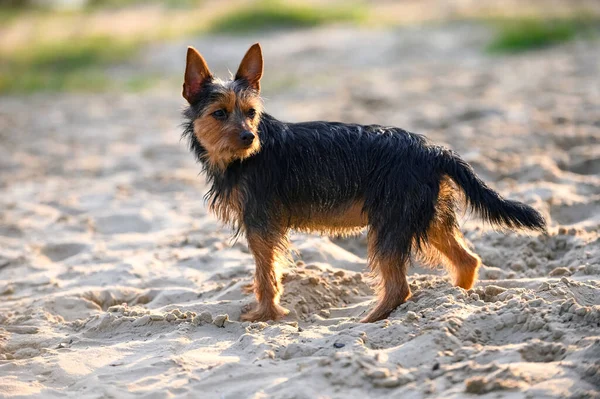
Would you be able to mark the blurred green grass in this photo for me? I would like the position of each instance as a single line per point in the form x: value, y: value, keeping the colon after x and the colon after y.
x: 112, y: 4
x: 524, y: 34
x: 271, y: 14
x: 83, y: 63
x: 76, y: 64
x: 7, y: 15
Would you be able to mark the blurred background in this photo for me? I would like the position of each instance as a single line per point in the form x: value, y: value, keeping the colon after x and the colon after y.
x: 101, y: 202
x: 90, y: 90
x: 133, y: 45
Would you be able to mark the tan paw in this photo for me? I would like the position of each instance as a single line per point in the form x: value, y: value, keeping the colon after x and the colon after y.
x: 376, y: 315
x: 384, y: 308
x: 259, y: 313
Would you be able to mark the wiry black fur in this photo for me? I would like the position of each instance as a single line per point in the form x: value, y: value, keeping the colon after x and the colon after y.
x: 486, y: 202
x: 314, y: 167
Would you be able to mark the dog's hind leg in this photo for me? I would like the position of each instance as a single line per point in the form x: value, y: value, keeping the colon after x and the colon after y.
x: 446, y: 238
x: 390, y: 271
x: 445, y: 243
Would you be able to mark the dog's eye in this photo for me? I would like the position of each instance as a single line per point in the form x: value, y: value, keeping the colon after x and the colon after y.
x: 220, y: 114
x: 251, y: 113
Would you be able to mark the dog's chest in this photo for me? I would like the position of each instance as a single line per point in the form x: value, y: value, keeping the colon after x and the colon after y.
x: 227, y: 206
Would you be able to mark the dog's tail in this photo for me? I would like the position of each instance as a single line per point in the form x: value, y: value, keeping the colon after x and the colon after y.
x: 499, y: 212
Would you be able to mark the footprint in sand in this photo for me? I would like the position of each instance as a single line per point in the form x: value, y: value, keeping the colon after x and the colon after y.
x: 11, y: 231
x: 567, y: 214
x: 62, y: 251
x: 586, y: 167
x: 163, y: 152
x: 543, y: 352
x: 123, y: 223
x: 585, y: 160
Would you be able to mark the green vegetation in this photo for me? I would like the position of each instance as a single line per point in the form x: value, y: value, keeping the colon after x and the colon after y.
x: 112, y: 4
x: 82, y: 63
x: 516, y: 35
x: 269, y: 14
x: 9, y: 14
x: 70, y: 65
x: 141, y: 82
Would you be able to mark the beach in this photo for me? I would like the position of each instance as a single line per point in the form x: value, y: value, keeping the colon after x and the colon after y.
x: 116, y: 282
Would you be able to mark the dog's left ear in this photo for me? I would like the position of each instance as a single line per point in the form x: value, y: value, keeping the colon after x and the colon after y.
x: 196, y: 74
x: 251, y: 67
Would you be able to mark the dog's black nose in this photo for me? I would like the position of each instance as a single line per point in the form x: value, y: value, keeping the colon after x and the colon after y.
x: 247, y: 137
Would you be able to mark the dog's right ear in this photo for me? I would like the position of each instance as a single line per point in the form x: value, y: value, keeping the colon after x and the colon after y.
x: 196, y: 73
x: 251, y: 67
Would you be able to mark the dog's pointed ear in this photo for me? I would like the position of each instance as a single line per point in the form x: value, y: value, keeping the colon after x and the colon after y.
x: 196, y: 73
x: 251, y: 67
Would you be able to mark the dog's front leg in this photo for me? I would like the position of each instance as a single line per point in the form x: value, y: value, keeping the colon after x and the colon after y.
x: 268, y: 250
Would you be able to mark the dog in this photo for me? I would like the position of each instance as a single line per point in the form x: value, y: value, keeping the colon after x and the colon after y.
x: 268, y: 177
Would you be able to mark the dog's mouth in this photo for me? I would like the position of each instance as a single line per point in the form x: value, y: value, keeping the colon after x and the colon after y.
x: 245, y: 146
x: 247, y: 149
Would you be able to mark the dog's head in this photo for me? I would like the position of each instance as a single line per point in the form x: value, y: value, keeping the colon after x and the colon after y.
x: 225, y: 114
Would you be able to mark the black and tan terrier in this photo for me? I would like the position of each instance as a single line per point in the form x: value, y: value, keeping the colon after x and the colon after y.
x: 267, y: 177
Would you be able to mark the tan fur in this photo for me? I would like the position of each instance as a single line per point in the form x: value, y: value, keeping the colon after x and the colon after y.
x: 251, y: 67
x: 392, y: 286
x: 221, y: 138
x: 229, y: 209
x: 269, y: 252
x: 343, y: 221
x: 445, y: 242
x: 463, y: 263
x: 196, y: 72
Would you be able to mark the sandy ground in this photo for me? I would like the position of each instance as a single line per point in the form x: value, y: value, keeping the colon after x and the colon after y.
x: 116, y: 283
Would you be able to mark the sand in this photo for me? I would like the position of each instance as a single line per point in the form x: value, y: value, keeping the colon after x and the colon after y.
x: 115, y: 282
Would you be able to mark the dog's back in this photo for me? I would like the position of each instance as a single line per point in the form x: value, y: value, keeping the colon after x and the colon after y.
x: 320, y: 166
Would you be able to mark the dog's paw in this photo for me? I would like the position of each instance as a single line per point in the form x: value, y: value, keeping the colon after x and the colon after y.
x: 373, y: 317
x: 380, y: 312
x: 264, y: 313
